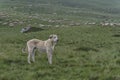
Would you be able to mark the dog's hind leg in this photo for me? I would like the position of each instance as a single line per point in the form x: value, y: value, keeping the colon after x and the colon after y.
x: 30, y: 52
x: 33, y: 55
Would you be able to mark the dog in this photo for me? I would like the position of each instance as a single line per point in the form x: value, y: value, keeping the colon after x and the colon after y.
x: 46, y: 46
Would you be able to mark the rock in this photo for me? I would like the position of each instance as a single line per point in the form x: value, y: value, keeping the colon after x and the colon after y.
x: 11, y: 24
x: 26, y: 29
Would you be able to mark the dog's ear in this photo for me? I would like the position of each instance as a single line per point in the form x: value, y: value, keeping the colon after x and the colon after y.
x: 50, y: 36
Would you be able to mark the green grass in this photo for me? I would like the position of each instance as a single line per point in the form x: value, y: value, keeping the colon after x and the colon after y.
x: 83, y: 53
x: 85, y: 10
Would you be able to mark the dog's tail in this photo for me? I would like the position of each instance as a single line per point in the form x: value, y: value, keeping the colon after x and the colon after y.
x: 24, y: 50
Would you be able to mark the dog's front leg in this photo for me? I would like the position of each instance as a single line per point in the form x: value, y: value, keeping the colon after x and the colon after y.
x: 49, y: 55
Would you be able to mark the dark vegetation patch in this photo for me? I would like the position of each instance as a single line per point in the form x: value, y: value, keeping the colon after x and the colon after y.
x: 116, y: 35
x: 11, y: 61
x: 86, y: 49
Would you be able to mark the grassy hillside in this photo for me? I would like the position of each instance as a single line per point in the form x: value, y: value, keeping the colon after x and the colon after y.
x: 83, y: 53
x: 87, y: 10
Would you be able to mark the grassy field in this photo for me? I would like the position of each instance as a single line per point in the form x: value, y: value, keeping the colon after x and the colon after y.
x: 83, y: 53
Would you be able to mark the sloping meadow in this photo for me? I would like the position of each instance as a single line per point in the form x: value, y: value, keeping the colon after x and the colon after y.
x: 82, y: 53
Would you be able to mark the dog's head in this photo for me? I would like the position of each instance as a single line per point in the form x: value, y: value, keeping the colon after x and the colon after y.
x: 54, y: 37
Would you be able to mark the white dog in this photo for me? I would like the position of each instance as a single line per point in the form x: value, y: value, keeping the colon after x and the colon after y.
x: 46, y: 46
